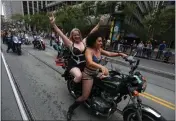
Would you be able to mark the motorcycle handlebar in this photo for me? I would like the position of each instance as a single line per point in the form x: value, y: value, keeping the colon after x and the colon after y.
x: 130, y: 60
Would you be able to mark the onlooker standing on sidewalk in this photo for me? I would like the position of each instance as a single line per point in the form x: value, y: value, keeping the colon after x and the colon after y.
x: 149, y: 49
x: 120, y: 45
x: 115, y: 45
x: 154, y: 44
x: 133, y: 46
x: 125, y: 46
x: 160, y: 50
x: 140, y: 48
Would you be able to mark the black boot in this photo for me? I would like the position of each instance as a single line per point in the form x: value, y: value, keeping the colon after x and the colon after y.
x: 71, y: 109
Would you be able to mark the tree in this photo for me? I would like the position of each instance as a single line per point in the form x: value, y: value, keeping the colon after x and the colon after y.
x: 39, y: 21
x: 69, y: 17
x: 17, y: 17
x: 147, y: 21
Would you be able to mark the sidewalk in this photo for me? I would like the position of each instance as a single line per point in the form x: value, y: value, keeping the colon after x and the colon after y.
x: 153, y: 64
x: 155, y: 67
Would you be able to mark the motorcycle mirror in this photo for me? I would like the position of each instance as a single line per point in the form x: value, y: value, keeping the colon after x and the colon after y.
x: 137, y: 63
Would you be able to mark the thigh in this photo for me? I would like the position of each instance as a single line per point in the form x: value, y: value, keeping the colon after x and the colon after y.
x: 86, y: 87
x: 75, y: 71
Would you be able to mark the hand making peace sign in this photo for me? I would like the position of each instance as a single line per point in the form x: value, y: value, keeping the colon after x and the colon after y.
x: 52, y: 18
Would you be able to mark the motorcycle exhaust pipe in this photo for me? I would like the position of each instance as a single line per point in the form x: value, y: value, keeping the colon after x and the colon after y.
x: 73, y: 93
x: 109, y: 113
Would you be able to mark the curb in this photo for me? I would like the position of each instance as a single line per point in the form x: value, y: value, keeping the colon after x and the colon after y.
x: 142, y: 68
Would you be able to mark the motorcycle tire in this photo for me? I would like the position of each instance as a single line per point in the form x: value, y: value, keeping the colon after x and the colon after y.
x: 13, y: 49
x: 19, y: 52
x: 34, y: 46
x: 43, y: 47
x: 129, y: 115
x: 70, y: 85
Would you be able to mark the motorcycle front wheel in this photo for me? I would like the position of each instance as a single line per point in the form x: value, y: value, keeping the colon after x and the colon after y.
x: 130, y: 115
x: 19, y: 50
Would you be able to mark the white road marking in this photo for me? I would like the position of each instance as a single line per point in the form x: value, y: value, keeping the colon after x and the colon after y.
x: 20, y: 106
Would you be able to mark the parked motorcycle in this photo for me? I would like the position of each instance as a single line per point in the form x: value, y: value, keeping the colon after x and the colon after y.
x: 108, y: 92
x: 39, y: 43
x: 17, y: 45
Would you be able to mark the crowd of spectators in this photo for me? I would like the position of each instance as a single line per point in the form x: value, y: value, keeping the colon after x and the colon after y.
x: 149, y: 49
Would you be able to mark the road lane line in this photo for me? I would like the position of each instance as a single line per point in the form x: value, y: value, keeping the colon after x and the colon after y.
x: 20, y: 106
x: 158, y: 99
x: 161, y: 103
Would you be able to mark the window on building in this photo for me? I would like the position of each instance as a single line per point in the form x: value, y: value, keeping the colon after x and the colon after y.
x: 25, y: 7
x: 35, y: 6
x: 30, y: 8
x: 44, y: 3
x: 48, y: 2
x: 40, y: 5
x: 78, y: 2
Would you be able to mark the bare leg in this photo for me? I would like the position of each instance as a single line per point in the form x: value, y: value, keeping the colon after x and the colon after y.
x: 77, y: 74
x: 86, y: 89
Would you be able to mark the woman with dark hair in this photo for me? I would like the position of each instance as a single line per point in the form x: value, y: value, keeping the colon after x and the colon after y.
x: 93, y: 57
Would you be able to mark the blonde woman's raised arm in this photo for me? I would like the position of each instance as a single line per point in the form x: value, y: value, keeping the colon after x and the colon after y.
x: 66, y: 41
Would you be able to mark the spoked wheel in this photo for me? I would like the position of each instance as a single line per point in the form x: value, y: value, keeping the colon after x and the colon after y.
x: 130, y: 115
x: 73, y: 88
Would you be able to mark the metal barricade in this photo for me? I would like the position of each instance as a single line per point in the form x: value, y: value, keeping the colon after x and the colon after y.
x: 152, y: 54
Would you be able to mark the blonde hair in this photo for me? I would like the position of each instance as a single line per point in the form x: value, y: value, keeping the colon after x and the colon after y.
x: 71, y: 34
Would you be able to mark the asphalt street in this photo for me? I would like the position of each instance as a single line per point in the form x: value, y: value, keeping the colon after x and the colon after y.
x: 46, y: 93
x: 9, y: 107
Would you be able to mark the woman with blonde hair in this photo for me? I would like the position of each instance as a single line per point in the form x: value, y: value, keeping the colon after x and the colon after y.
x: 77, y: 46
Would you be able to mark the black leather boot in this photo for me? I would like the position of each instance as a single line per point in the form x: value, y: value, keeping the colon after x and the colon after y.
x: 71, y: 109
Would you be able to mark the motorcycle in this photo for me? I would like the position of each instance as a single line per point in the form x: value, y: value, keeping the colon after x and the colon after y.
x: 108, y: 92
x: 26, y: 40
x: 39, y: 43
x: 17, y: 45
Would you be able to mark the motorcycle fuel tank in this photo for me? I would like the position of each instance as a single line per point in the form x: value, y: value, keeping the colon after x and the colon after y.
x: 110, y: 84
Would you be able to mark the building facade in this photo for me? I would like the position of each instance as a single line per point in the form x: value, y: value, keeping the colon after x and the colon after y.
x: 22, y: 7
x: 10, y: 8
x: 32, y: 7
x: 54, y: 5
